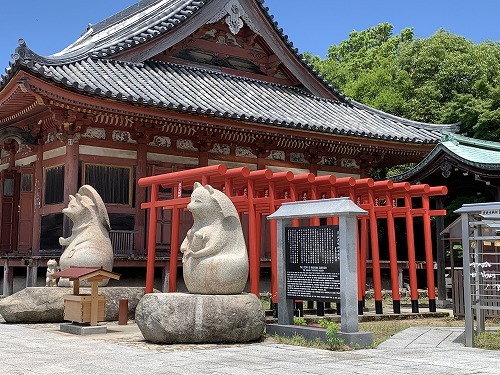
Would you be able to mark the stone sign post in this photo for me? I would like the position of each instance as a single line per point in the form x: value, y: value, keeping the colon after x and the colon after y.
x: 345, y: 239
x: 481, y: 270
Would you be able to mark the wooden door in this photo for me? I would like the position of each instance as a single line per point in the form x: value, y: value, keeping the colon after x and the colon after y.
x: 25, y: 232
x: 10, y: 211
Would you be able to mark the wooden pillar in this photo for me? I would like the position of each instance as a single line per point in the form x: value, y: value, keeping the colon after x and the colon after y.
x: 71, y: 182
x: 377, y: 277
x: 31, y: 273
x: 37, y: 200
x: 429, y: 263
x: 363, y: 251
x: 393, y: 256
x: 94, y: 303
x: 8, y: 279
x: 140, y: 198
x: 253, y: 237
x: 174, y: 249
x: 440, y: 253
x: 165, y: 277
x: 410, y: 243
x: 153, y: 219
x: 203, y: 158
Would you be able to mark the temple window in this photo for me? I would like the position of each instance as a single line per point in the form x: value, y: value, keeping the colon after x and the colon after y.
x: 113, y: 183
x: 54, y: 185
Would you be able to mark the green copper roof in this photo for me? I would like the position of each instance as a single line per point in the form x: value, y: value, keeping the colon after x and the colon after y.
x: 476, y: 153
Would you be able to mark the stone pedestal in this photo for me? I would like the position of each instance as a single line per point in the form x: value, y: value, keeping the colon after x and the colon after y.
x: 44, y: 305
x: 171, y: 318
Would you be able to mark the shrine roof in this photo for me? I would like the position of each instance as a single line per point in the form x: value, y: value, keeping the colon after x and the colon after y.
x: 84, y: 273
x: 475, y: 153
x: 212, y: 93
x: 142, y: 23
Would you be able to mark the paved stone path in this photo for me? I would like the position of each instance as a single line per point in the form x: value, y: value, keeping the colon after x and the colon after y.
x: 42, y: 349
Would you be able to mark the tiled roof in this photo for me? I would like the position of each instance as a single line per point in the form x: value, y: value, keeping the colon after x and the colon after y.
x: 87, y: 66
x: 141, y: 23
x: 212, y: 93
x: 473, y: 152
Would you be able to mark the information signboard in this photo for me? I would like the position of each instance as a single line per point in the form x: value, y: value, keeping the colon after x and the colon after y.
x: 313, y: 263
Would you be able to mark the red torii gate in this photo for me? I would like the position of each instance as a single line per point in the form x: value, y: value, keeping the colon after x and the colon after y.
x: 261, y: 192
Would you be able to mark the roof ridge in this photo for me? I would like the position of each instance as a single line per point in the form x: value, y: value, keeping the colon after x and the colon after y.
x: 127, y: 12
x: 476, y: 142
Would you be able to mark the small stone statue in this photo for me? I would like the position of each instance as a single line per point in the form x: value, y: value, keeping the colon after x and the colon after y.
x: 89, y: 244
x: 215, y: 259
x: 51, y: 269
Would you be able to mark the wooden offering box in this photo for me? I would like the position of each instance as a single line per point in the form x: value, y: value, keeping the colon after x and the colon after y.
x: 77, y: 308
x: 85, y: 308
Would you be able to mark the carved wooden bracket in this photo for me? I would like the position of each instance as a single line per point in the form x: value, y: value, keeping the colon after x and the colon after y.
x: 262, y: 147
x: 70, y: 124
x: 369, y: 160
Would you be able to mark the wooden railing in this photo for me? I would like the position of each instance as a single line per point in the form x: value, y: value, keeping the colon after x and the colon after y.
x: 122, y: 242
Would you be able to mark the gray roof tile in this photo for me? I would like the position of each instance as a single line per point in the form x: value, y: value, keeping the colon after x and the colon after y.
x: 172, y: 86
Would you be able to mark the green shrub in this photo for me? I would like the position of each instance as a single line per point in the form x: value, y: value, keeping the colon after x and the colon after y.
x: 299, y: 321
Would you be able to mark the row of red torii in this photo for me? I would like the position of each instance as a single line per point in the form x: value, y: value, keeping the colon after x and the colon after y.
x: 261, y: 192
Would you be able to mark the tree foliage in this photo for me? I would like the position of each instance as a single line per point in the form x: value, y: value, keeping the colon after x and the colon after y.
x: 441, y: 79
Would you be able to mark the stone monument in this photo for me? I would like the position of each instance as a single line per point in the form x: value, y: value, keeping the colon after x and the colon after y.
x: 215, y: 270
x: 89, y: 244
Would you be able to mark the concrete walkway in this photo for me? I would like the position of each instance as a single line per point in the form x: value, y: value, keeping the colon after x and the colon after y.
x: 43, y: 349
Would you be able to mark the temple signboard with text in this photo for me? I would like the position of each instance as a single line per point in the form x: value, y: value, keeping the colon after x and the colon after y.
x: 313, y: 263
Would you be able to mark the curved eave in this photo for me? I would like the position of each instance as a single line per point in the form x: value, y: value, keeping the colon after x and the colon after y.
x: 451, y: 128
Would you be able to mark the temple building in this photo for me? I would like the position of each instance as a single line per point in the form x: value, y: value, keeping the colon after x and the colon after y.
x: 166, y: 86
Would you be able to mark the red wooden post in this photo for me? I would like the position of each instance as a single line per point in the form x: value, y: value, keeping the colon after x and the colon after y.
x: 410, y: 244
x: 174, y: 250
x: 377, y: 277
x: 274, y: 245
x: 429, y: 264
x: 287, y: 176
x: 363, y: 257
x: 253, y: 235
x: 153, y: 219
x: 393, y: 255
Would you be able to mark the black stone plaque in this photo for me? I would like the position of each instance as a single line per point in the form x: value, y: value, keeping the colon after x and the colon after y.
x: 313, y: 263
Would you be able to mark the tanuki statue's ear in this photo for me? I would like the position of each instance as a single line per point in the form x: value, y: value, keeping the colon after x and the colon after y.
x: 196, y: 185
x: 210, y: 189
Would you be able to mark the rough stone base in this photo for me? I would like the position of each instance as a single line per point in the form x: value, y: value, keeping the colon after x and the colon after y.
x: 46, y: 304
x: 169, y: 318
x: 82, y: 330
x: 356, y: 339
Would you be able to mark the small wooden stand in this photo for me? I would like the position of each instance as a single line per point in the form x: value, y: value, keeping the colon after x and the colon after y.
x: 85, y: 308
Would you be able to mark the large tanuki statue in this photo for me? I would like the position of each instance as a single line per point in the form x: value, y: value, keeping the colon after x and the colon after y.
x: 89, y: 244
x: 215, y: 259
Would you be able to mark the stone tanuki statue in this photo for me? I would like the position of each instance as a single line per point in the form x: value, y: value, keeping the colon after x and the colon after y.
x: 215, y: 259
x: 89, y: 244
x: 51, y: 269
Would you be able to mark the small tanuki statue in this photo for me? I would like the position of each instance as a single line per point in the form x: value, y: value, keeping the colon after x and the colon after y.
x: 51, y: 269
x: 215, y: 259
x: 89, y: 244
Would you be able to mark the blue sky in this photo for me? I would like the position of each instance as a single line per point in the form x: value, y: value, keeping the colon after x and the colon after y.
x: 313, y: 25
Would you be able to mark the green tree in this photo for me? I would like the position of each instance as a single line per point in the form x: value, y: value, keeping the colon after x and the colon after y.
x: 441, y: 79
